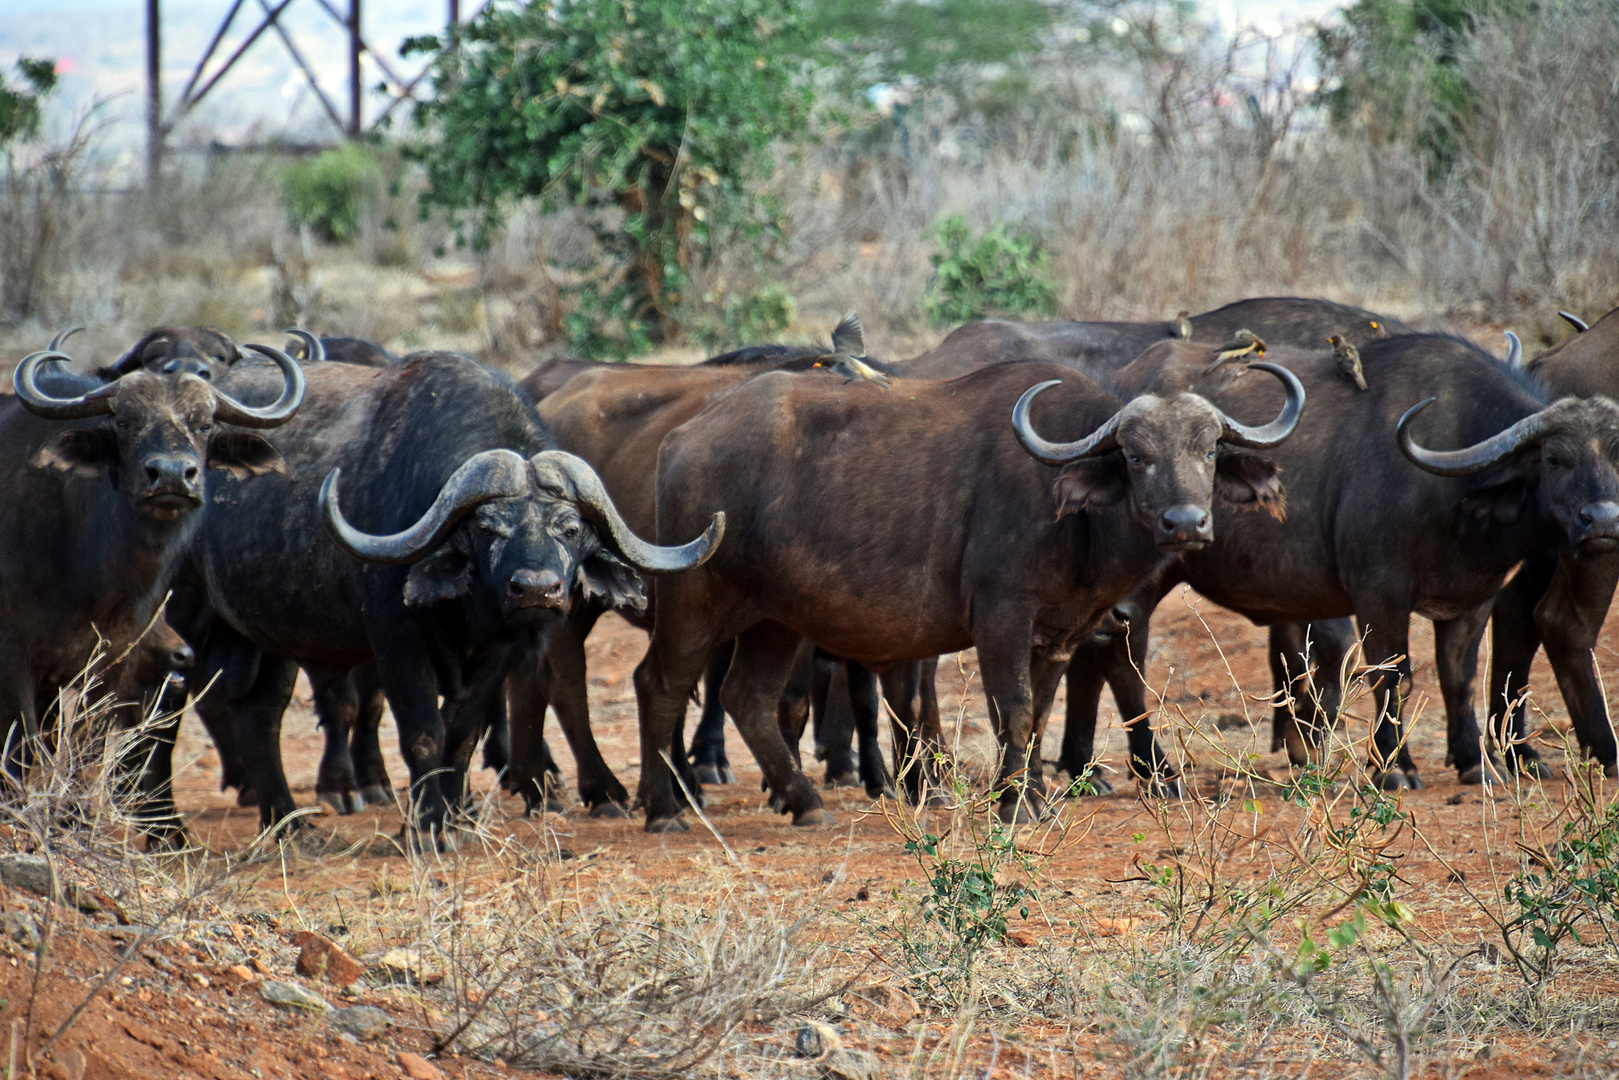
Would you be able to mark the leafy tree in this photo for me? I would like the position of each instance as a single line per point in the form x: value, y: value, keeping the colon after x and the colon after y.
x: 662, y: 109
x: 1394, y: 66
x: 1002, y: 272
x: 327, y: 191
x: 19, y: 105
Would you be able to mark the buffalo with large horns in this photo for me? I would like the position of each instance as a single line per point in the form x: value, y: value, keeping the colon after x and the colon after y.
x: 889, y: 527
x: 104, y: 492
x: 428, y: 524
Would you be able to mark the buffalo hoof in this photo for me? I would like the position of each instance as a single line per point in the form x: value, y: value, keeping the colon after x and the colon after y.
x: 376, y: 795
x: 1391, y: 780
x: 341, y: 802
x: 714, y: 774
x: 608, y: 810
x: 844, y: 779
x: 246, y: 797
x: 1163, y: 787
x: 1532, y: 768
x: 1414, y: 780
x: 815, y: 818
x: 1473, y: 775
x: 1610, y: 772
x: 667, y: 824
x: 777, y: 804
x: 889, y: 792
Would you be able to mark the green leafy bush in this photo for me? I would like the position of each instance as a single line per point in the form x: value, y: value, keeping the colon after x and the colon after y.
x: 660, y: 110
x: 327, y: 192
x: 746, y: 318
x: 1002, y: 272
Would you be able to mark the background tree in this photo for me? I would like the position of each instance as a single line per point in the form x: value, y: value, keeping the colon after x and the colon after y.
x: 660, y: 110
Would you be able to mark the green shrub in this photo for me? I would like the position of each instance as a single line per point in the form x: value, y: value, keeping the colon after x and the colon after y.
x: 1002, y: 272
x: 746, y: 318
x: 328, y: 191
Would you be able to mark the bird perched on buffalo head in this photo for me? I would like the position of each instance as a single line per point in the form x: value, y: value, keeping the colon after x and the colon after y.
x: 848, y: 357
x: 1348, y: 359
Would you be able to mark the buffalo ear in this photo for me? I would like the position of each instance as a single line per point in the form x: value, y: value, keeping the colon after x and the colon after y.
x: 1498, y: 504
x: 609, y: 577
x: 443, y: 575
x: 244, y: 455
x: 82, y: 452
x: 1252, y: 482
x: 1088, y: 483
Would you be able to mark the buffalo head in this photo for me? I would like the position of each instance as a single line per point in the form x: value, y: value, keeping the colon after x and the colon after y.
x: 179, y: 350
x: 1175, y: 451
x: 159, y: 433
x: 1568, y: 451
x: 535, y: 528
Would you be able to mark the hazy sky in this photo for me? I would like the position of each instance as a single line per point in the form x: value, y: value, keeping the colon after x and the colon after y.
x: 100, y: 46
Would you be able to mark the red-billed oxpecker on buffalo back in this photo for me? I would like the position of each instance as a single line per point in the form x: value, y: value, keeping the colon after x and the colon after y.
x: 890, y: 526
x: 1560, y: 602
x: 428, y: 523
x: 1099, y: 347
x: 105, y: 488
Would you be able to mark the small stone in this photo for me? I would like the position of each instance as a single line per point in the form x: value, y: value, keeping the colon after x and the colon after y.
x: 405, y: 966
x: 324, y: 959
x: 20, y: 927
x: 362, y: 1021
x: 812, y: 1040
x: 291, y: 995
x: 417, y: 1067
x: 28, y: 872
x: 846, y: 1064
x: 244, y: 973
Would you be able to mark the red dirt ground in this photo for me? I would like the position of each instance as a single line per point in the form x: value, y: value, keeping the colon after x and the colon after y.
x: 184, y: 1013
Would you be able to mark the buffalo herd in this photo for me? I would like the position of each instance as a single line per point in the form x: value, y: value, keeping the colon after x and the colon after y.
x: 801, y: 531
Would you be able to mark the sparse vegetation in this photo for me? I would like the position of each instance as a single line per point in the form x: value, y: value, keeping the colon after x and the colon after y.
x: 328, y: 192
x: 1002, y: 272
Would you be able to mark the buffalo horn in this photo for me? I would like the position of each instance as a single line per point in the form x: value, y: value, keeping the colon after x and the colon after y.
x: 1259, y: 438
x: 314, y: 351
x: 97, y: 402
x: 1100, y: 441
x: 1580, y: 325
x: 574, y: 479
x: 61, y: 339
x: 1514, y: 350
x: 1469, y: 459
x: 493, y: 474
x: 231, y: 411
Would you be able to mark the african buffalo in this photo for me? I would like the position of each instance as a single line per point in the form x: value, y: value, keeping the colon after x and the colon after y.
x: 889, y: 526
x: 98, y: 512
x: 1429, y: 532
x: 426, y: 523
x: 1097, y: 347
x: 1559, y: 597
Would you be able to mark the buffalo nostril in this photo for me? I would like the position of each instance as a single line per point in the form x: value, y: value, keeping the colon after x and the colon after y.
x: 154, y: 473
x: 536, y: 585
x: 191, y: 474
x: 1184, y: 519
x: 182, y: 657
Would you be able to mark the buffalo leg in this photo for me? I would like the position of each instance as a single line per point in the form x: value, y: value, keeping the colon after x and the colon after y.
x: 866, y: 705
x: 337, y: 705
x: 153, y: 755
x: 405, y: 667
x: 256, y: 725
x: 1515, y: 638
x: 708, y: 759
x: 1087, y: 674
x: 911, y: 691
x: 664, y: 680
x: 563, y: 682
x: 365, y: 747
x: 1005, y: 666
x: 1456, y: 644
x: 831, y: 705
x: 1287, y: 675
x: 1387, y: 646
x: 760, y: 668
x: 1570, y: 618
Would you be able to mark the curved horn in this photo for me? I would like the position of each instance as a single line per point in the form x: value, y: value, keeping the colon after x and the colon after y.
x: 1259, y: 438
x: 1469, y: 459
x: 580, y: 483
x: 493, y: 474
x: 1580, y: 325
x: 1097, y: 442
x: 314, y: 351
x: 1514, y: 350
x: 97, y: 402
x: 60, y: 339
x: 231, y: 411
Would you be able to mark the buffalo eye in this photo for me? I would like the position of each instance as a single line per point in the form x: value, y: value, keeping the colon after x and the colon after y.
x: 121, y: 425
x: 1209, y: 456
x: 570, y: 531
x: 1135, y: 459
x: 1552, y: 462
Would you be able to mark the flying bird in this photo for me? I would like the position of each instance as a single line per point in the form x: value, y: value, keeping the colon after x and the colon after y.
x: 1348, y: 359
x: 848, y: 356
